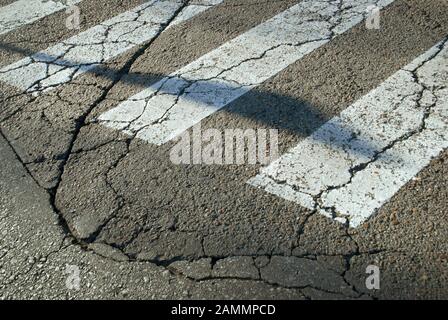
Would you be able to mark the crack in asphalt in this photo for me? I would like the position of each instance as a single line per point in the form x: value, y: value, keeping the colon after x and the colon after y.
x: 188, y: 83
x: 81, y: 122
x: 359, y: 167
x: 129, y: 140
x: 124, y: 70
x: 104, y: 35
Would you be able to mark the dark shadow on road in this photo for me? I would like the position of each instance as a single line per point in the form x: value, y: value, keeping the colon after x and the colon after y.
x: 269, y: 109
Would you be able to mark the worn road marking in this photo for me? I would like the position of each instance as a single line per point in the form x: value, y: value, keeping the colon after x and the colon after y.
x: 180, y: 100
x: 89, y: 49
x: 194, y: 8
x: 357, y: 161
x: 22, y: 12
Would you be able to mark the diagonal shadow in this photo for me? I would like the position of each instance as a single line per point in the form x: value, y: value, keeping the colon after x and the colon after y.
x: 296, y: 116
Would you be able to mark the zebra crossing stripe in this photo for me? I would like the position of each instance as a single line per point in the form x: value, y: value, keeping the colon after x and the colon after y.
x: 22, y: 12
x: 64, y: 61
x: 164, y: 110
x: 357, y: 161
x: 193, y: 9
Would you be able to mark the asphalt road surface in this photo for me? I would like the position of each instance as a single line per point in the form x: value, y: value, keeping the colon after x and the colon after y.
x: 94, y: 95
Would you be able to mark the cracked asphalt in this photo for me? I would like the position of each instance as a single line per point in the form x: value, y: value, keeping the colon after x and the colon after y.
x: 75, y: 191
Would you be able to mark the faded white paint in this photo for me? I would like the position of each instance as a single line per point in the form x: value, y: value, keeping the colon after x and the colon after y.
x: 89, y: 49
x: 182, y: 99
x: 357, y: 161
x: 22, y: 12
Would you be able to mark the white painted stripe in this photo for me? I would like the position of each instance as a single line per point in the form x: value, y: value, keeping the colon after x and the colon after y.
x: 22, y: 12
x: 65, y: 61
x: 177, y: 102
x: 193, y: 9
x: 357, y: 161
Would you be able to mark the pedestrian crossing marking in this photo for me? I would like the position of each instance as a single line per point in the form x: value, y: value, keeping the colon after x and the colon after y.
x: 357, y: 161
x: 81, y: 53
x: 174, y: 104
x: 346, y: 170
x: 23, y: 12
